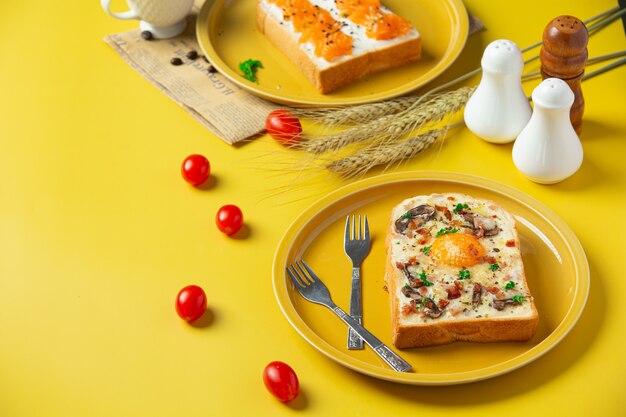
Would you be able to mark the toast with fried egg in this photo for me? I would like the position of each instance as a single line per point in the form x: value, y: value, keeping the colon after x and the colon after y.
x: 454, y: 272
x: 334, y: 42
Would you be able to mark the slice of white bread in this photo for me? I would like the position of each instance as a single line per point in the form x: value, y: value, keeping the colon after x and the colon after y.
x: 454, y: 273
x: 368, y: 56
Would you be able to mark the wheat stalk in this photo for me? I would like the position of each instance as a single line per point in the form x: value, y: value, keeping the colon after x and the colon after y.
x: 362, y: 161
x: 355, y: 114
x: 392, y: 127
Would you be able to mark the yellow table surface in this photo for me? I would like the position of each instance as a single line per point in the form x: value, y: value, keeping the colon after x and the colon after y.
x: 98, y: 232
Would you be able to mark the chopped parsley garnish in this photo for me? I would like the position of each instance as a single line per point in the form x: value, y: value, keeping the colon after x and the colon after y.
x: 425, y: 280
x: 407, y: 286
x: 509, y: 285
x: 460, y: 207
x: 249, y: 68
x: 406, y: 215
x: 446, y: 231
x: 494, y: 267
x: 426, y: 249
x: 517, y: 298
x: 464, y: 274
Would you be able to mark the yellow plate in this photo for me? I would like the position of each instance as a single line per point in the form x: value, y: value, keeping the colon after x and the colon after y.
x: 555, y: 264
x: 226, y: 31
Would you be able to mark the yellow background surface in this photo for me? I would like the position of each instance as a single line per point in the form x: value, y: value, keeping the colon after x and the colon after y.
x: 98, y: 232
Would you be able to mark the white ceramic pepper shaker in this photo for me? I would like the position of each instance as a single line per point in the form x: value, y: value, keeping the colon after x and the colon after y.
x: 499, y: 109
x: 548, y: 150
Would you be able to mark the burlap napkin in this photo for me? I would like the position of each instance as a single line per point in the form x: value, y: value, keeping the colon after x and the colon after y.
x: 224, y: 108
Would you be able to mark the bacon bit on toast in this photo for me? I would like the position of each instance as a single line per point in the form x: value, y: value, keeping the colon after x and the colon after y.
x: 444, y: 211
x: 477, y: 293
x: 510, y: 243
x: 412, y: 261
x: 490, y: 259
x: 454, y: 311
x: 442, y: 304
x: 496, y: 291
x: 454, y: 291
x: 409, y: 308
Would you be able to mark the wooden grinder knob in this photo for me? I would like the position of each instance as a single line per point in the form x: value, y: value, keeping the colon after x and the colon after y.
x: 564, y: 55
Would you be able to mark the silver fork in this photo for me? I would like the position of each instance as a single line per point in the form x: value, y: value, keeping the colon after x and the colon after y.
x: 313, y: 289
x: 356, y: 246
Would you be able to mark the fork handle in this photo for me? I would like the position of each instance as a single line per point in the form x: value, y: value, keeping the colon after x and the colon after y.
x: 356, y: 309
x: 388, y: 355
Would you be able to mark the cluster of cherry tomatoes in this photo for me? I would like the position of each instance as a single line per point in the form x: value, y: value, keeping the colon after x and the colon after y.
x: 196, y: 170
x: 191, y: 302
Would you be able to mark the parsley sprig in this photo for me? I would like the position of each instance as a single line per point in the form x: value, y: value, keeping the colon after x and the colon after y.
x: 249, y: 68
x: 425, y: 279
x: 509, y: 285
x: 464, y: 274
x: 446, y: 231
x: 460, y: 207
x: 517, y: 298
x: 426, y: 249
x: 494, y: 267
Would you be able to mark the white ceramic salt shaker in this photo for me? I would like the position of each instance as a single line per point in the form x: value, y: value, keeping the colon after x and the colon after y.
x: 548, y: 150
x: 499, y: 109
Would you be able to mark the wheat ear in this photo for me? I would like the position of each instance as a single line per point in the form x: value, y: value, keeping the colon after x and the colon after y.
x: 362, y: 161
x: 392, y: 127
x: 352, y: 115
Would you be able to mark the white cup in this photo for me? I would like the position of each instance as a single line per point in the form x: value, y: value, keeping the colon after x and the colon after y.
x: 163, y: 18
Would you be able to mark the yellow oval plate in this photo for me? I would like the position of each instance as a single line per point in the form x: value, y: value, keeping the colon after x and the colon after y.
x: 226, y: 31
x: 555, y: 263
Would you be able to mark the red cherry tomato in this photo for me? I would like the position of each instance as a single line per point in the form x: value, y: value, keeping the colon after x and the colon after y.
x: 229, y: 219
x: 283, y: 126
x: 196, y: 169
x: 281, y: 381
x: 191, y: 303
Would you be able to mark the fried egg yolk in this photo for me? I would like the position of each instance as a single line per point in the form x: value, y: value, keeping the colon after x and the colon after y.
x: 457, y: 250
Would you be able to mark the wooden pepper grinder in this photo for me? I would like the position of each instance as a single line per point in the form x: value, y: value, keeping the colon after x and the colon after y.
x: 564, y: 55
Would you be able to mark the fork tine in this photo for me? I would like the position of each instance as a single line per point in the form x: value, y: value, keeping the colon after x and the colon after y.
x: 302, y: 278
x: 354, y: 236
x: 306, y: 280
x: 346, y: 236
x: 312, y: 275
x: 367, y: 230
x: 361, y: 231
x: 293, y: 278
